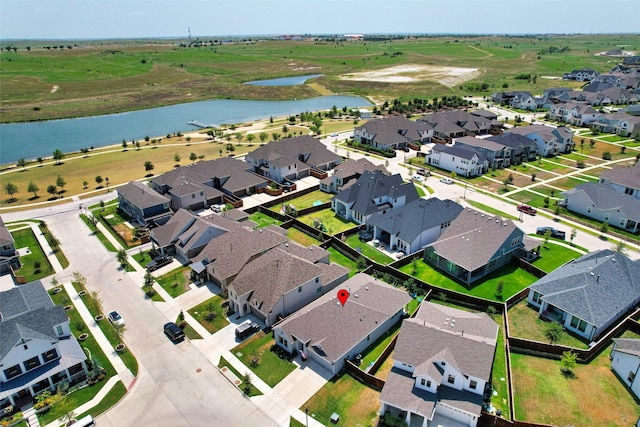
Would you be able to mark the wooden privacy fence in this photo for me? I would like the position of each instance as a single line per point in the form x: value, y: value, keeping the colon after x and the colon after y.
x: 363, y: 376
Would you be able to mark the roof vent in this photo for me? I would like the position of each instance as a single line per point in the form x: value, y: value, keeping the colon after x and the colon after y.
x: 497, y: 220
x: 355, y: 295
x: 591, y: 273
x: 366, y: 288
x: 613, y: 259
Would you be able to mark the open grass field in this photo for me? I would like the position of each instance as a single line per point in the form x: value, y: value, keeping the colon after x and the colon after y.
x: 594, y: 397
x: 111, y: 76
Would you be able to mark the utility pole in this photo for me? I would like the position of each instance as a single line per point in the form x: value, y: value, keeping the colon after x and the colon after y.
x: 189, y: 29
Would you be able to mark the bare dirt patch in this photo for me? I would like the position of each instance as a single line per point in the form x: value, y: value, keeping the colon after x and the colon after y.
x: 448, y: 76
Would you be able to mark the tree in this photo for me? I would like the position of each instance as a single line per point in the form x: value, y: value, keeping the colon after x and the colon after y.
x: 121, y: 256
x: 574, y: 233
x: 33, y: 188
x: 99, y: 180
x: 533, y: 177
x: 246, y: 380
x: 275, y: 136
x: 547, y: 236
x: 106, y: 180
x: 148, y: 167
x: 606, y: 155
x: 84, y: 184
x: 604, y: 227
x: 553, y: 331
x: 60, y: 182
x: 568, y: 361
x: 499, y: 289
x: 193, y: 157
x: 137, y: 145
x: 85, y: 151
x: 176, y: 158
x: 124, y: 144
x: 506, y: 183
x: 10, y: 188
x: 239, y: 136
x: 148, y: 280
x: 54, y: 243
x: 361, y: 263
x: 620, y: 247
x: 263, y: 137
x: 58, y: 156
x: 52, y: 189
x: 40, y: 160
x: 250, y: 137
x: 21, y: 162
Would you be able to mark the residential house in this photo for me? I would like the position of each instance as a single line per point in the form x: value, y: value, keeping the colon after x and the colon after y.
x: 282, y: 281
x: 622, y: 124
x: 589, y: 294
x: 411, y: 227
x: 223, y: 258
x: 37, y: 349
x: 291, y: 158
x: 348, y: 172
x: 475, y: 244
x: 461, y: 159
x: 581, y: 75
x: 574, y: 114
x: 144, y: 205
x: 518, y: 99
x: 442, y: 362
x: 623, y: 179
x: 625, y: 362
x: 9, y: 258
x: 522, y: 149
x: 207, y: 183
x: 498, y: 155
x: 373, y: 192
x: 550, y: 140
x: 455, y: 124
x: 329, y: 332
x: 392, y: 133
x: 186, y: 234
x: 604, y: 202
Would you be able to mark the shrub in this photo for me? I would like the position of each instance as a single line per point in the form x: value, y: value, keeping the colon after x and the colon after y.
x: 606, y: 155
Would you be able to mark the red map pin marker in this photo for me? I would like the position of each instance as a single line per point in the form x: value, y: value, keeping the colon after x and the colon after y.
x: 343, y: 296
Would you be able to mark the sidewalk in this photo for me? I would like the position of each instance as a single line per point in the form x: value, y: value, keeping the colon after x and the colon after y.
x: 53, y: 260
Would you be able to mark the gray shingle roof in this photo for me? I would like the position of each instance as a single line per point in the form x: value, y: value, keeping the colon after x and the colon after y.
x: 351, y: 167
x: 5, y: 236
x: 333, y: 329
x: 399, y: 391
x: 22, y: 299
x: 141, y: 195
x: 395, y: 130
x: 408, y: 221
x: 512, y: 140
x: 303, y: 149
x: 475, y: 326
x: 628, y: 176
x: 628, y: 345
x: 606, y: 198
x: 185, y: 227
x: 464, y: 400
x: 596, y: 287
x: 474, y: 238
x: 461, y: 151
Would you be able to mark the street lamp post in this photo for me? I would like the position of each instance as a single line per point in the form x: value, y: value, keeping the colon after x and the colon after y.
x: 306, y: 413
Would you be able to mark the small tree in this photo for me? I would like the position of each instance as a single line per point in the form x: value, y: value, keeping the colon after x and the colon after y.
x: 574, y: 233
x: 99, y: 180
x: 21, y: 163
x: 553, y: 332
x: 606, y: 155
x: 361, y: 263
x: 250, y: 138
x: 533, y: 177
x: 604, y: 227
x: 85, y: 184
x: 568, y: 361
x: 148, y: 280
x: 193, y: 157
x: 547, y: 236
x: 148, y: 167
x: 263, y: 137
x: 499, y: 289
x: 620, y: 247
x: 124, y: 144
x: 10, y: 188
x: 33, y: 188
x: 246, y: 381
x: 53, y: 190
x: 176, y: 158
x: 60, y: 182
x: 491, y: 311
x: 58, y: 156
x: 121, y: 256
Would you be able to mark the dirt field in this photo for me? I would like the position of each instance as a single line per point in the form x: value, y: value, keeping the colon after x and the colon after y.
x: 447, y: 76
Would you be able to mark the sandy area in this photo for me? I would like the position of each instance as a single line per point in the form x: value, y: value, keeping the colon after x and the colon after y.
x: 448, y: 76
x: 54, y: 88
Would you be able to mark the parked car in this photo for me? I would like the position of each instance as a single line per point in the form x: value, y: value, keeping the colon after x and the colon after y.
x: 527, y: 209
x: 417, y: 178
x: 405, y: 149
x: 334, y: 134
x: 423, y: 172
x: 173, y: 331
x: 217, y: 208
x: 557, y: 234
x: 159, y: 261
x: 246, y: 329
x: 448, y: 181
x: 115, y: 319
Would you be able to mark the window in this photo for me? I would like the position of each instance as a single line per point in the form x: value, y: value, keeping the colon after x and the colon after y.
x: 59, y: 329
x: 13, y: 371
x: 588, y: 210
x: 536, y: 297
x: 574, y: 321
x: 631, y: 377
x: 49, y: 355
x: 451, y: 379
x: 582, y: 326
x: 32, y: 363
x: 423, y: 381
x: 473, y: 385
x: 429, y: 384
x: 299, y: 288
x: 319, y: 290
x: 606, y: 216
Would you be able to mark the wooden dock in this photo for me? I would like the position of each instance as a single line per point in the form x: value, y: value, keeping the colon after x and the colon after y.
x: 201, y: 125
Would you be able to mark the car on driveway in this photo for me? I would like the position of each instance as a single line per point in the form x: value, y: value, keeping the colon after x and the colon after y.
x: 448, y: 181
x: 115, y: 319
x: 405, y: 149
x: 246, y: 329
x: 527, y: 209
x: 556, y: 234
x: 173, y: 331
x: 158, y: 262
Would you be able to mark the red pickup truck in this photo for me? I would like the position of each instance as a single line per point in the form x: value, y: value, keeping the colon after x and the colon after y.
x: 527, y: 209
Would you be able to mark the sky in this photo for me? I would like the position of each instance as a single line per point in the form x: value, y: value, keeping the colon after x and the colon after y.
x: 99, y: 19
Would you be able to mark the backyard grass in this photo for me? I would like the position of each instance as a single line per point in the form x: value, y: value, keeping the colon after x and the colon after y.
x: 270, y: 368
x: 111, y: 217
x: 176, y: 282
x: 253, y: 391
x: 372, y: 353
x: 111, y: 399
x: 524, y: 322
x: 594, y: 397
x: 263, y: 220
x: 554, y: 255
x: 301, y: 237
x: 499, y: 373
x: 368, y: 250
x: 307, y: 200
x: 357, y: 404
x: 514, y: 280
x: 210, y: 314
x: 333, y: 223
x: 339, y: 258
x: 35, y: 265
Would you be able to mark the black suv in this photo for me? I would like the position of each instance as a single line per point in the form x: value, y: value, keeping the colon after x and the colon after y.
x: 556, y: 234
x: 159, y: 261
x: 173, y: 331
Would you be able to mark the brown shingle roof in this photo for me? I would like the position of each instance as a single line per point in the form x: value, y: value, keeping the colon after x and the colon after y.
x: 5, y: 236
x: 476, y: 326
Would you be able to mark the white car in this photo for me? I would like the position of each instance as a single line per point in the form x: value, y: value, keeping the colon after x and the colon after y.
x: 417, y: 178
x: 446, y: 181
x: 115, y: 319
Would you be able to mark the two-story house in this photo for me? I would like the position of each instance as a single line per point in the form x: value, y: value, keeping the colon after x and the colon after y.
x: 373, y: 192
x: 581, y: 75
x: 521, y: 149
x: 623, y: 179
x: 392, y: 133
x: 8, y: 256
x: 346, y: 173
x: 455, y: 124
x: 550, y: 140
x: 498, y: 155
x: 461, y: 159
x: 575, y: 114
x: 441, y: 363
x: 144, y: 205
x: 282, y: 281
x: 291, y: 158
x: 475, y: 244
x: 37, y: 349
x: 411, y: 227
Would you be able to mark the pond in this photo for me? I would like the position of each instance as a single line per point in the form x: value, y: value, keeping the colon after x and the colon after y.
x: 284, y: 81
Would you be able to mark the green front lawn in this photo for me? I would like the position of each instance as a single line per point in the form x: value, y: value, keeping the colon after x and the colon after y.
x: 595, y: 396
x: 210, y: 314
x: 554, y: 255
x: 357, y: 404
x: 368, y: 250
x: 270, y: 367
x: 253, y: 391
x: 524, y: 322
x: 143, y: 258
x: 111, y: 399
x: 36, y: 265
x: 263, y: 220
x: 99, y: 235
x: 513, y: 280
x: 176, y: 282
